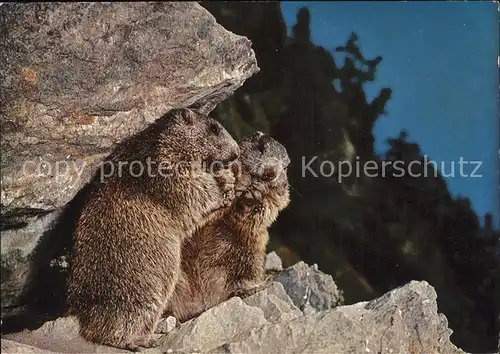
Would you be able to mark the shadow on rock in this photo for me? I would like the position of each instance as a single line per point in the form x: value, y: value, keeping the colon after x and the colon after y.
x: 44, y: 294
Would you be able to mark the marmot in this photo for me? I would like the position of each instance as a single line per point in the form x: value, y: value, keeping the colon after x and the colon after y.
x: 226, y: 257
x: 127, y: 249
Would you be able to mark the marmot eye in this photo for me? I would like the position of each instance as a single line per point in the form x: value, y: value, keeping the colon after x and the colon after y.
x: 269, y: 174
x: 214, y: 128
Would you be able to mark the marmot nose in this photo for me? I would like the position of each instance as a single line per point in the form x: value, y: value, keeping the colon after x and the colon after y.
x: 235, y: 153
x: 233, y: 156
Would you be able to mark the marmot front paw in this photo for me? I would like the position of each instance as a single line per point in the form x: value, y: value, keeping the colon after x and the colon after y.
x: 255, y: 192
x: 249, y: 288
x: 141, y: 344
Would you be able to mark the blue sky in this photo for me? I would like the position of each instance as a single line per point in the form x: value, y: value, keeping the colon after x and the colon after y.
x: 440, y: 60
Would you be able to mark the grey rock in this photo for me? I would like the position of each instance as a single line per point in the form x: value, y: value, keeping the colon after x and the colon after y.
x: 307, y: 309
x: 16, y: 247
x: 79, y: 77
x: 59, y: 336
x: 404, y: 320
x: 276, y: 304
x: 166, y: 325
x: 227, y: 322
x: 309, y: 288
x: 12, y: 347
x: 273, y: 262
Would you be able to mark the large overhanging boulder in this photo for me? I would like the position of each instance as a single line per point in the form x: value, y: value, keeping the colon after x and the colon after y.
x: 76, y: 78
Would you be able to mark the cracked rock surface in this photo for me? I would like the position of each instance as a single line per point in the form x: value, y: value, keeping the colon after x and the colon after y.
x: 404, y: 320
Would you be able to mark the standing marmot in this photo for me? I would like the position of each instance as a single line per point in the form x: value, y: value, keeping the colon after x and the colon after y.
x: 128, y: 238
x: 226, y: 257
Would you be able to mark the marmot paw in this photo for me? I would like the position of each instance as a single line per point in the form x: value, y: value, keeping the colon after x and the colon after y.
x: 256, y: 192
x: 142, y: 343
x: 249, y: 288
x: 226, y: 180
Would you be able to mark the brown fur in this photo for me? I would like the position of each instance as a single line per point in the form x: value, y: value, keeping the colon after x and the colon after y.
x: 226, y: 257
x: 128, y: 238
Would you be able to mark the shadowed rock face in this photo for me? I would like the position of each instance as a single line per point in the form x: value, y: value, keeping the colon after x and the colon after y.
x: 405, y: 320
x: 79, y: 77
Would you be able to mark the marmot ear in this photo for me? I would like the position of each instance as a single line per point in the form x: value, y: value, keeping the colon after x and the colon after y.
x: 215, y: 128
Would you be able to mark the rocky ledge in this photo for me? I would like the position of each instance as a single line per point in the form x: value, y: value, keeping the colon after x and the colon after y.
x: 299, y: 311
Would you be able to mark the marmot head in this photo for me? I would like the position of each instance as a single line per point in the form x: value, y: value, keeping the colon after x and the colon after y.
x: 262, y: 187
x: 264, y: 158
x: 190, y: 136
